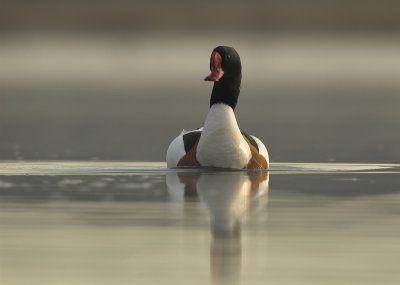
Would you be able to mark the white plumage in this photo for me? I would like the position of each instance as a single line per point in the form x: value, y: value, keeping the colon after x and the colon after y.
x: 221, y: 143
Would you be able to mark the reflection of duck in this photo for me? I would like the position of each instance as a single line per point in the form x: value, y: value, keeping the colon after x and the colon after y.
x: 226, y: 195
x: 220, y: 143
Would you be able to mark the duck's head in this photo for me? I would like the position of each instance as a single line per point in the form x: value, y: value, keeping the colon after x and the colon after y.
x: 224, y: 63
x: 226, y: 72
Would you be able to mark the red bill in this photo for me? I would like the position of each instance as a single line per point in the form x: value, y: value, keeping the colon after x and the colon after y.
x: 216, y: 69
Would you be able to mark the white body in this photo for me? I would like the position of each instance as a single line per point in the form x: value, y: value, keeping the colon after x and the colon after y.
x: 221, y: 143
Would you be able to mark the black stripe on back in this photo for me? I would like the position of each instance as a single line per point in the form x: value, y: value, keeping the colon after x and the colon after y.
x: 191, y: 138
x: 251, y: 140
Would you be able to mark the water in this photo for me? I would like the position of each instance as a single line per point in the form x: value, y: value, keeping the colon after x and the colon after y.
x: 93, y: 103
x: 140, y: 223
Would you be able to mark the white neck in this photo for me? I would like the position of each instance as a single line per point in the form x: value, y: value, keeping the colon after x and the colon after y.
x: 221, y: 143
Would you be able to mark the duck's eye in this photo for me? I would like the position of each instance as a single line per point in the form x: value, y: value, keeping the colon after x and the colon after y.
x: 228, y: 56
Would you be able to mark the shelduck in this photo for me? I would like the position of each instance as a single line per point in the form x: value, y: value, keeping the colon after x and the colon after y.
x: 220, y: 143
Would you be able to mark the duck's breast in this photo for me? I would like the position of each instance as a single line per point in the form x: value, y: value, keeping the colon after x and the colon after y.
x: 221, y: 143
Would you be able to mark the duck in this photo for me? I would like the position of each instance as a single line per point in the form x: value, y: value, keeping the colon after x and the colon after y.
x: 220, y: 143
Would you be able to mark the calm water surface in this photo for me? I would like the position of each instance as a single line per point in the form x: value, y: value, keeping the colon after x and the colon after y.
x: 139, y: 223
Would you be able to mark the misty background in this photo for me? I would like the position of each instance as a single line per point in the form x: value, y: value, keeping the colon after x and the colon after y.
x: 118, y: 80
